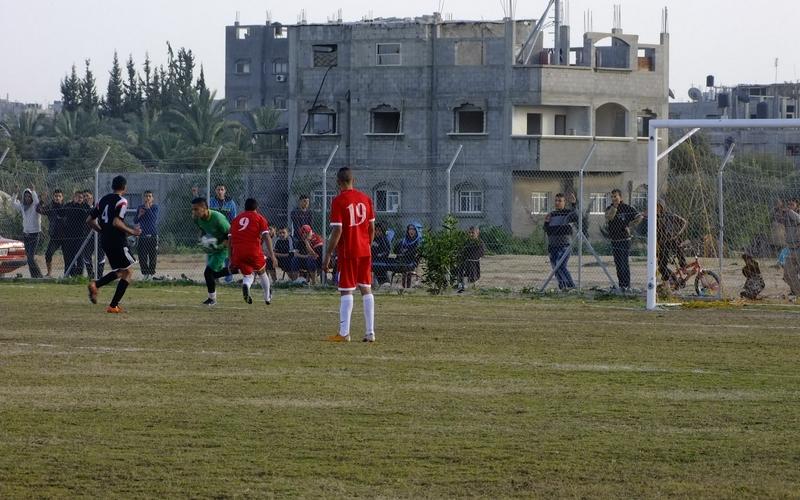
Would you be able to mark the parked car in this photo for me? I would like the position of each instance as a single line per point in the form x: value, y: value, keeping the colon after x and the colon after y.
x: 12, y: 255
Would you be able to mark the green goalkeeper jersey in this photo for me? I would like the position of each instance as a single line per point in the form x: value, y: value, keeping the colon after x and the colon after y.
x: 217, y: 226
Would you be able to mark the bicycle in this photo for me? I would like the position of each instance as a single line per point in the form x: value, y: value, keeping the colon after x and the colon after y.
x: 706, y: 283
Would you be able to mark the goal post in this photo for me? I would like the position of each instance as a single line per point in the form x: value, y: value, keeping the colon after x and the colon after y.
x: 653, y: 158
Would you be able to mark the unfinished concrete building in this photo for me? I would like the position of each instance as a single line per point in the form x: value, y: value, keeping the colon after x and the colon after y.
x: 400, y: 96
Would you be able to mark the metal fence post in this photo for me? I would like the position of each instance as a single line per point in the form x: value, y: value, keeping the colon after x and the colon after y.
x: 208, y: 173
x: 449, y: 168
x: 325, y: 207
x: 720, y: 193
x: 581, y: 175
x: 97, y: 197
x: 5, y: 153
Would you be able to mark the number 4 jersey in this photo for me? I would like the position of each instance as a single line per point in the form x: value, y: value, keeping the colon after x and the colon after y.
x: 352, y: 210
x: 108, y: 208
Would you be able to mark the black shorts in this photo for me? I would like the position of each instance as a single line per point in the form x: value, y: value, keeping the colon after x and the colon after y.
x: 119, y: 258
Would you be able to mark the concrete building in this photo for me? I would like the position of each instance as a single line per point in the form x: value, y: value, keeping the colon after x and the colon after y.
x: 400, y: 96
x: 747, y: 101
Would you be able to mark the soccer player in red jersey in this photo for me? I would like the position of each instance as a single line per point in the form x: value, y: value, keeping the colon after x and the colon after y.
x: 352, y: 231
x: 248, y: 230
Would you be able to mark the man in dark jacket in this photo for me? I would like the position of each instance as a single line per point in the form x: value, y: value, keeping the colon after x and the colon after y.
x: 74, y: 233
x: 56, y: 215
x: 558, y: 227
x: 471, y: 255
x: 620, y: 218
x: 147, y: 246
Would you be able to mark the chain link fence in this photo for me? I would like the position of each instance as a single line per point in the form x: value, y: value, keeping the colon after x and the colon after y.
x: 522, y: 236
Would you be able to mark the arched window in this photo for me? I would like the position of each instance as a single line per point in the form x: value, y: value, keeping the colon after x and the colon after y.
x: 469, y: 119
x: 468, y: 199
x: 385, y: 119
x: 611, y: 120
x: 386, y: 198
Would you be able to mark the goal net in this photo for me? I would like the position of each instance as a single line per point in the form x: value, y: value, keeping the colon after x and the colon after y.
x: 725, y: 193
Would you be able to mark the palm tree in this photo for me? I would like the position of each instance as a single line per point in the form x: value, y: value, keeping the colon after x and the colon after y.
x: 201, y: 121
x: 77, y: 124
x: 24, y: 127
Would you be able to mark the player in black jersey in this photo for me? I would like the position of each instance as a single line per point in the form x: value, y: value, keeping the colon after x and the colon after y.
x: 108, y: 219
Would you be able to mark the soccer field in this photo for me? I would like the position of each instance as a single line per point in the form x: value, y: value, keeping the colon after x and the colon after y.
x: 459, y: 397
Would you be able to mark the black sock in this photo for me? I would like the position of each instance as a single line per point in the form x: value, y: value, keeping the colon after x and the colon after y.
x: 121, y: 287
x: 211, y: 284
x: 105, y: 280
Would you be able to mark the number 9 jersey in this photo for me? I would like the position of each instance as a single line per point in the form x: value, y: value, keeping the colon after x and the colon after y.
x: 352, y: 210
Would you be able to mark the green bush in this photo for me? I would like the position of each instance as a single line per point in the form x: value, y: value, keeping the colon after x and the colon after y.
x: 441, y: 253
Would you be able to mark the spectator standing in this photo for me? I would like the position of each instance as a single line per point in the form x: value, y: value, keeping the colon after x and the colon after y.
x: 147, y: 248
x: 88, y: 250
x: 301, y: 216
x: 31, y: 227
x: 74, y: 234
x: 381, y: 248
x: 471, y: 255
x: 56, y: 215
x: 221, y: 202
x: 558, y: 227
x: 669, y: 228
x: 620, y: 218
x: 791, y: 267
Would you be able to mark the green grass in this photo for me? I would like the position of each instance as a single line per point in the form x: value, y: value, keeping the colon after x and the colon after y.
x: 460, y: 397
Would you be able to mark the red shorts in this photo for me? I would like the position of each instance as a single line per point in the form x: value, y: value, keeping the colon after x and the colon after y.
x: 248, y: 262
x: 354, y: 272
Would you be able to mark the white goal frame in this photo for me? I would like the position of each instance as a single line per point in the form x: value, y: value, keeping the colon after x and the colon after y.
x: 653, y: 157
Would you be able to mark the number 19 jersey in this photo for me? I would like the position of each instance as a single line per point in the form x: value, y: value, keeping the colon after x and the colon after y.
x: 352, y: 210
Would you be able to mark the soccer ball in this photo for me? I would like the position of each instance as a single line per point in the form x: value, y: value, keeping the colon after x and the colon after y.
x: 208, y: 242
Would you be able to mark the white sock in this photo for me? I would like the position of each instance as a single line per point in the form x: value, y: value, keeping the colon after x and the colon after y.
x: 212, y: 295
x: 345, y: 310
x: 264, y: 278
x: 247, y: 281
x: 369, y: 313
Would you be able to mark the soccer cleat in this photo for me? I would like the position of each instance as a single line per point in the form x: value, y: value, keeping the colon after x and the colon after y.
x: 114, y: 309
x: 246, y: 294
x: 337, y: 338
x: 369, y: 338
x: 268, y: 302
x: 209, y: 302
x: 92, y: 292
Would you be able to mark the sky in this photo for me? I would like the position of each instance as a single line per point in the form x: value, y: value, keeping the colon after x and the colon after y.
x: 43, y: 38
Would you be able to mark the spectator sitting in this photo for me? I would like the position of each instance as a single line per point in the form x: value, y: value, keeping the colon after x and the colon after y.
x: 407, y: 251
x: 301, y: 216
x: 56, y: 214
x: 285, y: 253
x: 31, y: 227
x: 381, y: 248
x: 309, y: 255
x: 471, y: 255
x: 754, y: 282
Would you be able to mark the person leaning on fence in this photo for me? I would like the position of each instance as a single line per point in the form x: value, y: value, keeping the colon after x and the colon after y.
x: 791, y: 267
x: 74, y: 234
x: 147, y: 247
x: 558, y: 227
x: 669, y: 228
x: 31, y: 227
x: 407, y: 251
x: 56, y: 215
x: 471, y: 255
x: 620, y: 218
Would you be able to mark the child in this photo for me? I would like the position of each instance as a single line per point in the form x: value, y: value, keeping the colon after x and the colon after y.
x: 754, y: 283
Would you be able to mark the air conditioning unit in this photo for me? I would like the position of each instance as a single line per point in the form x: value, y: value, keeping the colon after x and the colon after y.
x: 280, y: 78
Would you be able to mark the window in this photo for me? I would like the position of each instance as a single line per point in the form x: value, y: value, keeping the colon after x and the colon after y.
x: 643, y: 122
x: 242, y: 33
x: 279, y: 102
x: 325, y: 55
x: 322, y: 121
x: 279, y: 32
x: 242, y: 67
x: 470, y: 119
x: 385, y: 120
x: 470, y: 201
x: 561, y: 125
x: 388, y: 54
x: 793, y: 150
x: 534, y: 124
x: 539, y: 203
x: 316, y: 199
x: 280, y: 67
x: 387, y: 200
x: 241, y: 103
x: 597, y: 203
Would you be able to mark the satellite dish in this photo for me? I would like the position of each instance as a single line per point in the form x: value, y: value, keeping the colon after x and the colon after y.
x: 695, y: 94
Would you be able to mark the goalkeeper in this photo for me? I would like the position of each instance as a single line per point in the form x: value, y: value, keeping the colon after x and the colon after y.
x: 215, y: 227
